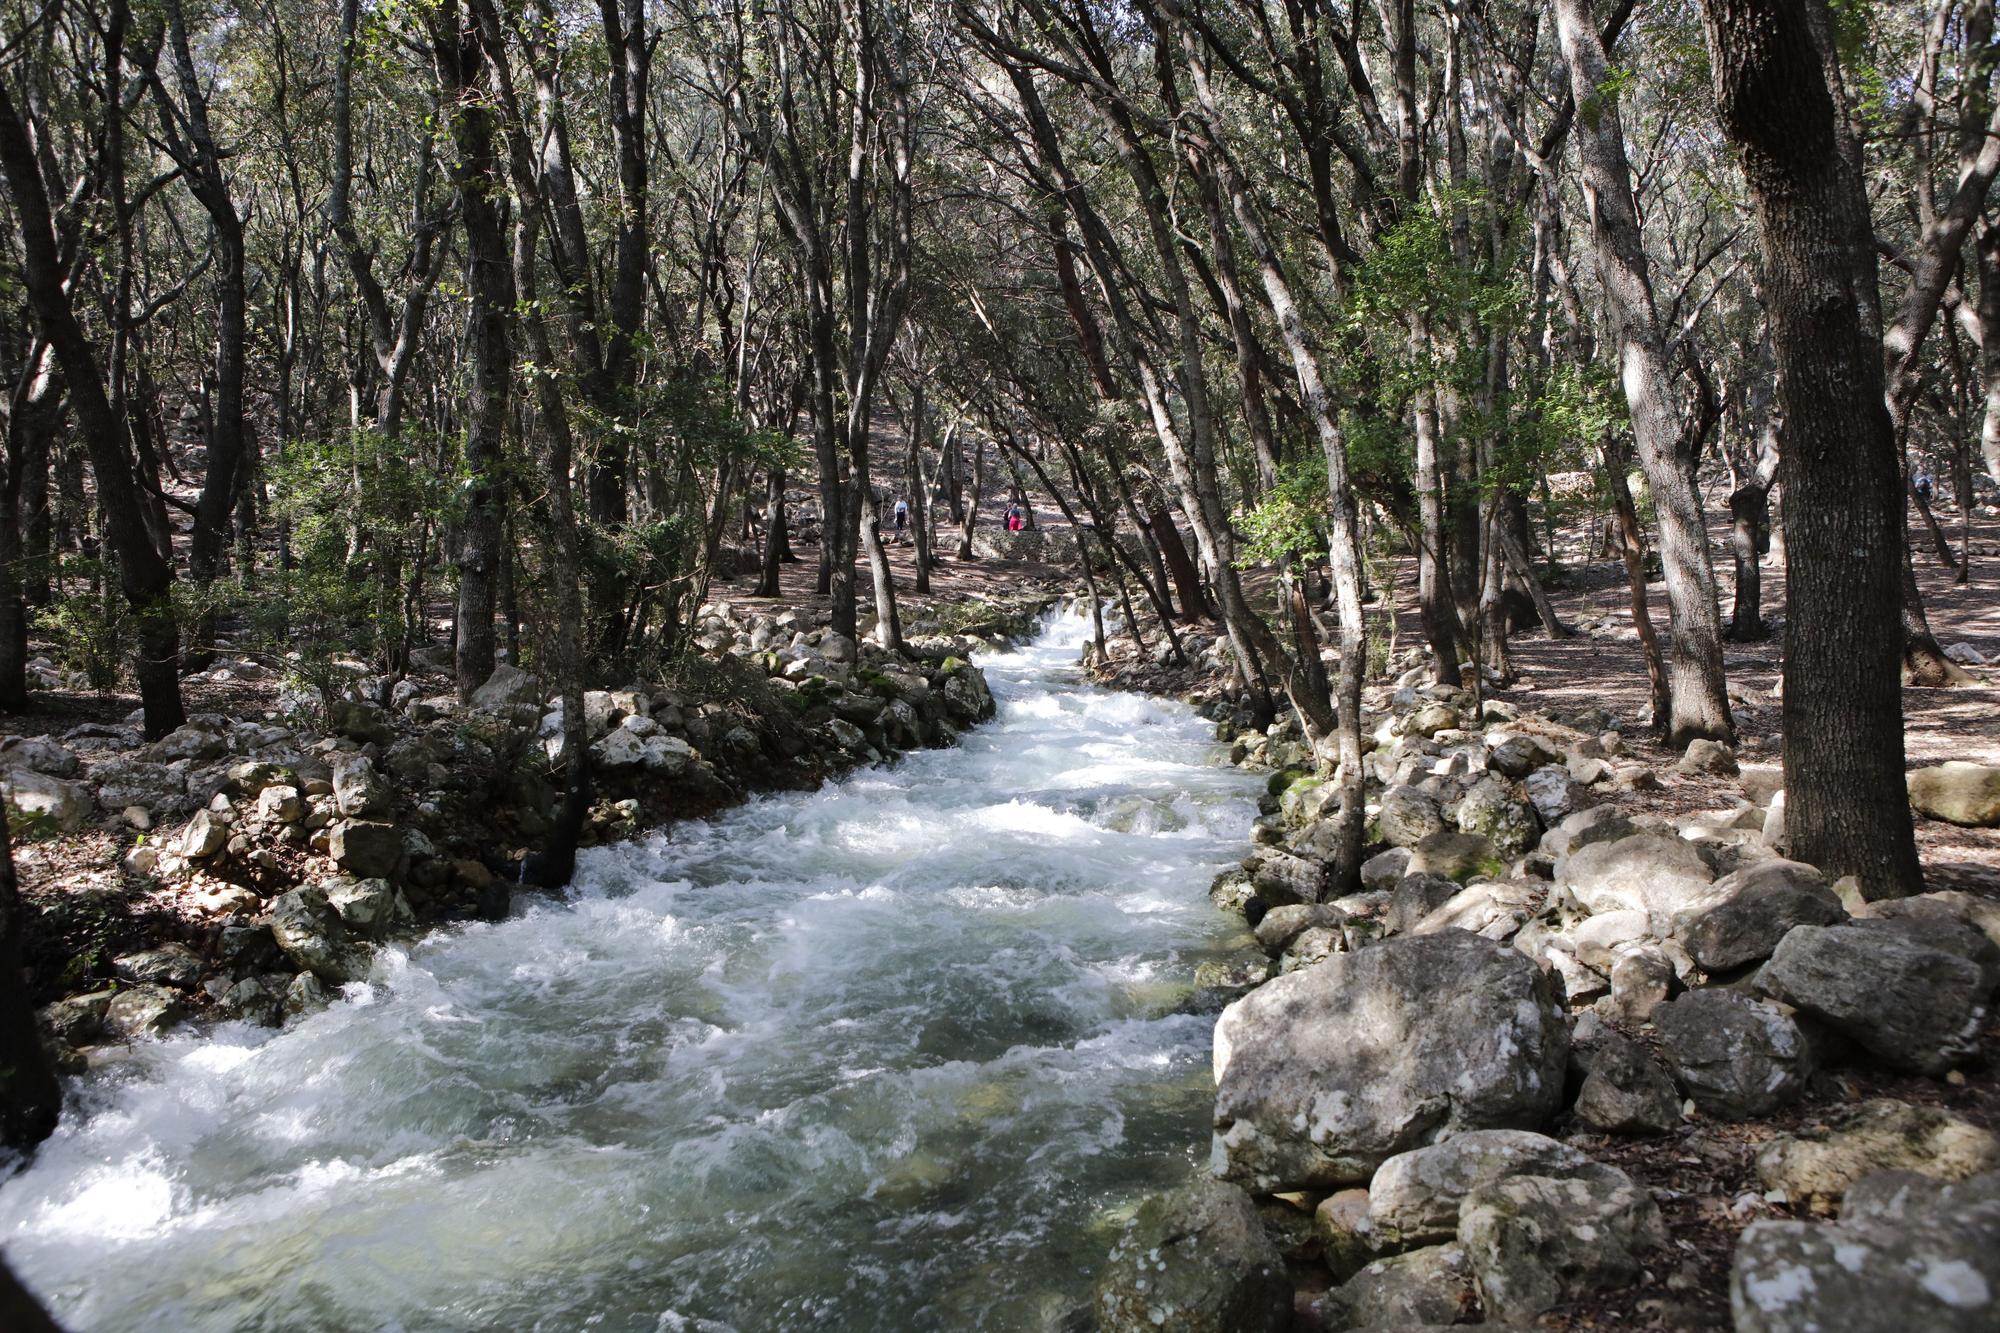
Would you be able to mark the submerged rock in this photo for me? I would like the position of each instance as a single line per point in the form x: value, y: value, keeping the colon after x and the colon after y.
x: 1196, y: 1261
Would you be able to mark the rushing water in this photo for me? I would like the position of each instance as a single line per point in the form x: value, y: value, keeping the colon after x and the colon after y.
x: 898, y: 1054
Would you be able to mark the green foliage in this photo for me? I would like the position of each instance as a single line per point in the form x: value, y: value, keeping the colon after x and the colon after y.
x: 1287, y: 521
x: 87, y: 629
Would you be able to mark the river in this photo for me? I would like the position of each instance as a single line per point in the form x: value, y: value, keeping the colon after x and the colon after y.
x: 897, y: 1054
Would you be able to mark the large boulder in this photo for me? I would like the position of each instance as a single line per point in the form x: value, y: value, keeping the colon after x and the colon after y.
x: 1879, y: 1135
x: 1625, y: 1091
x: 357, y: 790
x: 1415, y: 1196
x: 1414, y: 898
x: 1537, y: 1242
x: 1957, y: 792
x: 1754, y: 908
x: 1736, y: 1056
x: 1937, y: 1268
x: 1195, y: 1260
x: 1649, y: 872
x: 1908, y: 1004
x: 1431, y: 1287
x: 1494, y: 909
x: 169, y: 965
x: 40, y: 754
x: 1456, y: 855
x: 311, y: 934
x: 1497, y: 811
x: 506, y: 687
x: 365, y: 849
x: 1324, y: 1073
x: 39, y: 803
x: 143, y: 1011
x: 370, y: 907
x: 1406, y: 817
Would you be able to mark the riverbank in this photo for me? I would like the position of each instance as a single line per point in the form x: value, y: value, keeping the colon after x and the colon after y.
x: 1586, y: 1050
x: 249, y: 863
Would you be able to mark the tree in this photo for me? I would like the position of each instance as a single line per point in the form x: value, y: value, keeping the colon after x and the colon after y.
x: 1846, y: 809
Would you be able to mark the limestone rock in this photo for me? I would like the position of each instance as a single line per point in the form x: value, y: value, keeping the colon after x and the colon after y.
x: 1537, y: 1242
x: 204, y: 836
x: 1416, y: 897
x: 370, y: 907
x: 1499, y: 813
x: 1651, y: 872
x: 1406, y: 817
x: 143, y: 1011
x: 1555, y: 793
x: 366, y: 850
x: 1626, y: 1091
x: 358, y: 791
x: 1415, y: 1196
x: 1493, y: 909
x: 1957, y: 792
x: 1706, y: 756
x: 1456, y: 855
x: 1909, y: 1005
x: 309, y: 932
x: 1324, y: 1073
x: 37, y: 802
x: 1642, y: 977
x: 1385, y: 870
x: 1736, y: 1056
x: 40, y: 754
x: 1431, y: 1286
x: 169, y: 965
x: 1754, y: 909
x: 1597, y: 823
x: 1195, y: 1260
x: 506, y: 687
x: 1879, y: 1135
x: 1938, y: 1271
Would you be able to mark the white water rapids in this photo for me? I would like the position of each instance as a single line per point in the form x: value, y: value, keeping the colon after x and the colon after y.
x: 896, y: 1054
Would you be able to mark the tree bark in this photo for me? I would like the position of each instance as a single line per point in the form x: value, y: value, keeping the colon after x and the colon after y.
x: 30, y: 1099
x: 1846, y: 808
x: 1667, y: 447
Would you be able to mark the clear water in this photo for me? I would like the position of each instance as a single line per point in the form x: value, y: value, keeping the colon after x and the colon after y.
x: 894, y: 1055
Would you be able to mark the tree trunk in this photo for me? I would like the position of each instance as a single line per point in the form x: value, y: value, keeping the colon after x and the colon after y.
x: 1846, y: 807
x: 774, y: 532
x: 966, y: 525
x: 1667, y: 446
x: 1750, y: 537
x: 30, y: 1099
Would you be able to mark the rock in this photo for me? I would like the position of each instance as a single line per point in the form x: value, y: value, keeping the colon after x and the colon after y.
x: 1536, y: 1242
x: 143, y: 1011
x: 506, y: 687
x: 1650, y: 872
x: 1196, y: 1260
x: 249, y: 1001
x: 1597, y: 939
x: 1754, y: 908
x: 1597, y: 823
x: 1405, y: 818
x: 204, y: 836
x: 1642, y: 977
x: 370, y: 907
x: 1879, y: 1135
x: 304, y: 994
x: 366, y: 850
x: 39, y: 754
x: 1495, y: 810
x: 1324, y: 1073
x: 1705, y: 756
x: 1493, y: 909
x: 1554, y: 793
x: 357, y: 789
x: 1385, y: 870
x: 280, y: 805
x: 311, y: 935
x: 1737, y: 1057
x: 1284, y: 924
x: 364, y: 722
x: 38, y: 803
x: 1457, y: 856
x: 249, y: 778
x: 1414, y: 898
x: 1910, y: 1005
x: 1938, y: 1271
x: 1983, y: 914
x: 77, y: 1020
x: 169, y: 965
x: 1946, y: 934
x: 1431, y: 1286
x: 1760, y: 783
x: 193, y: 741
x: 1626, y: 1091
x: 1514, y: 755
x: 1957, y: 792
x: 1890, y: 1196
x: 1415, y: 1196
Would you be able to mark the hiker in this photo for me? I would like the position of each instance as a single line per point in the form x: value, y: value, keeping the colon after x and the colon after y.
x: 1924, y: 488
x: 1015, y: 520
x: 902, y: 518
